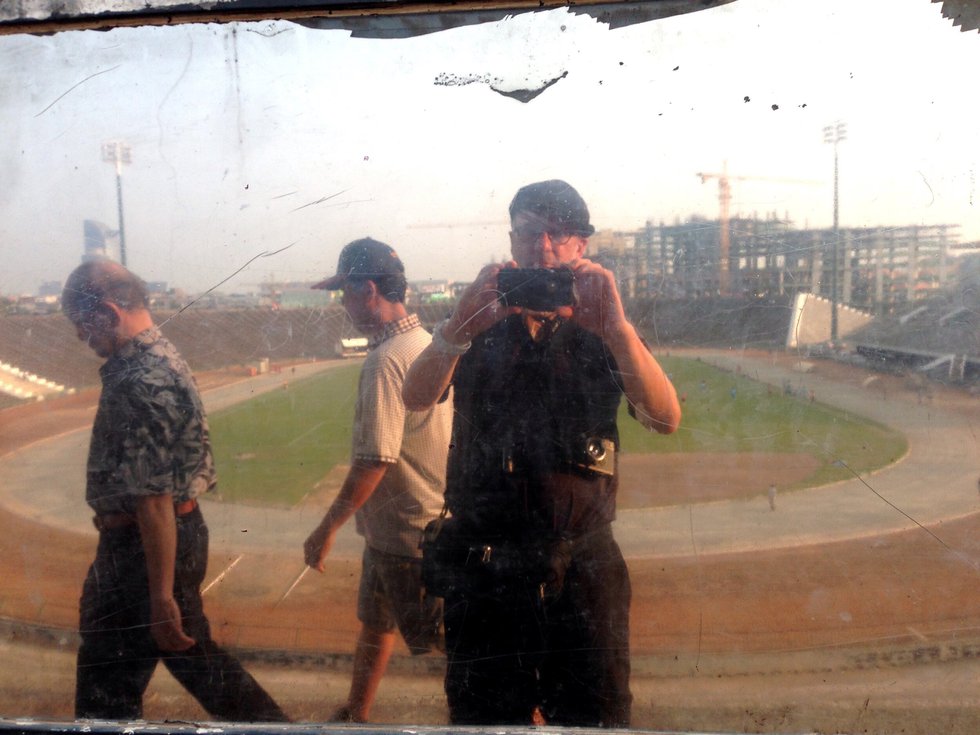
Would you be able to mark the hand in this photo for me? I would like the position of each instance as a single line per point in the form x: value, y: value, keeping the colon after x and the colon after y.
x: 165, y: 626
x: 598, y: 308
x: 317, y: 547
x: 479, y: 307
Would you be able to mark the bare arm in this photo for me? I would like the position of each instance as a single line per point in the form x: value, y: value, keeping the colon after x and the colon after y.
x: 428, y: 378
x: 600, y: 310
x: 477, y: 311
x: 361, y: 482
x: 647, y: 387
x: 158, y: 531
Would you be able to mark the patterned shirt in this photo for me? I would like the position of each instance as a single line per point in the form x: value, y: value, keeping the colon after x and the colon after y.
x: 150, y: 435
x: 413, y: 443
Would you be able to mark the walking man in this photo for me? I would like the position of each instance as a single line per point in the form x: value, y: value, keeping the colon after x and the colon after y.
x: 397, y: 476
x: 149, y: 462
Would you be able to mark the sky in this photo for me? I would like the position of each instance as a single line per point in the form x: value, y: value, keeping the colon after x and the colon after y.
x: 273, y: 145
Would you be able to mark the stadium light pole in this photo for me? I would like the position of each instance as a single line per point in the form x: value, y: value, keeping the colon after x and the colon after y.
x: 835, y: 134
x: 118, y: 153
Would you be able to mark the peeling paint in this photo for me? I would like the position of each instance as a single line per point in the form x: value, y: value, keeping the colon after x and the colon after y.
x: 362, y: 19
x: 526, y: 95
x: 461, y: 80
x: 498, y: 85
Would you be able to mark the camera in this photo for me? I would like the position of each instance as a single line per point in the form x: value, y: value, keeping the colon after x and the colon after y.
x: 537, y: 289
x: 597, y: 456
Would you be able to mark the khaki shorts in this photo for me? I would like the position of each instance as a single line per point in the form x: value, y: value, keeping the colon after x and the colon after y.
x: 391, y: 595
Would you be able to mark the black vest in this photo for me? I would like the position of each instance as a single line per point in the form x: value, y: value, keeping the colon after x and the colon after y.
x: 528, y: 418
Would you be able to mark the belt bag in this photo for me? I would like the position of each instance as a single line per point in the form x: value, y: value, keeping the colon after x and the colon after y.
x: 452, y: 560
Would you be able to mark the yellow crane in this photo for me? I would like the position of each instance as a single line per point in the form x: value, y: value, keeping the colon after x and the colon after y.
x: 725, y: 200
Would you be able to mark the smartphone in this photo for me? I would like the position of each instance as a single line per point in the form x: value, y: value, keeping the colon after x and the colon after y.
x: 538, y: 289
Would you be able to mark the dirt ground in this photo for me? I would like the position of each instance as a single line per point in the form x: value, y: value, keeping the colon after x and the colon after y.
x: 876, y: 635
x: 683, y: 478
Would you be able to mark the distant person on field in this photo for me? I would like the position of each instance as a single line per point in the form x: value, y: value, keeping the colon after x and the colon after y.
x: 149, y: 460
x: 397, y: 476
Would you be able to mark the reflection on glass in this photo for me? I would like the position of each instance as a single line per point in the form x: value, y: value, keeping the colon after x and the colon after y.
x: 802, y: 550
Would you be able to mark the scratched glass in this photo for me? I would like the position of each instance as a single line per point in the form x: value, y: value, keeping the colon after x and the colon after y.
x: 786, y: 196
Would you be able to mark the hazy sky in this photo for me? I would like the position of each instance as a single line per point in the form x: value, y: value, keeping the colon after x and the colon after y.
x: 235, y: 128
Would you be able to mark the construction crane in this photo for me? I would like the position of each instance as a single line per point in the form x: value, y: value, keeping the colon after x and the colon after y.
x: 725, y: 200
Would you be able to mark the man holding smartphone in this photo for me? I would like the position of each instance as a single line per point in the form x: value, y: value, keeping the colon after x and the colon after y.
x: 536, y: 589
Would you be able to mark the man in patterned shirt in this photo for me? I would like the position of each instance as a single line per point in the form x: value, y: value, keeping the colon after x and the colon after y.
x: 149, y: 460
x: 397, y: 476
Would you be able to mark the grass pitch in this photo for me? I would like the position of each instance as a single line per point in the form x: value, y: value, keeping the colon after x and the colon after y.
x: 275, y: 448
x: 726, y: 412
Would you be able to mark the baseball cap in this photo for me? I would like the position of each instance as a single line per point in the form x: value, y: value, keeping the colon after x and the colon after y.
x: 557, y: 202
x: 364, y: 258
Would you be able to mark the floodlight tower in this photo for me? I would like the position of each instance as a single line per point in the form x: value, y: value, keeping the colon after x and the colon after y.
x: 117, y: 153
x: 834, y: 134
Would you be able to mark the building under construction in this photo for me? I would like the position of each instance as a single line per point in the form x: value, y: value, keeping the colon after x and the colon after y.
x: 878, y: 268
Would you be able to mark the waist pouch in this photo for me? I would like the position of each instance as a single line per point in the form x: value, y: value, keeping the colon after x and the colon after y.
x: 454, y: 560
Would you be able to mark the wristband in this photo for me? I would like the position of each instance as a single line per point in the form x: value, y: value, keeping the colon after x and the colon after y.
x: 442, y: 345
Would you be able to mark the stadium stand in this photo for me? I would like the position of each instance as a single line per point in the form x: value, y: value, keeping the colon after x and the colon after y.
x: 811, y: 323
x: 714, y: 322
x: 212, y: 338
x: 23, y: 384
x: 208, y: 339
x: 940, y: 338
x: 46, y: 345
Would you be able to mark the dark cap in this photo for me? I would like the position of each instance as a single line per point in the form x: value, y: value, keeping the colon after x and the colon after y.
x: 365, y: 258
x: 557, y: 202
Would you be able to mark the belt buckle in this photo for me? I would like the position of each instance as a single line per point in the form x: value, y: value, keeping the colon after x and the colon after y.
x: 484, y: 553
x: 185, y: 507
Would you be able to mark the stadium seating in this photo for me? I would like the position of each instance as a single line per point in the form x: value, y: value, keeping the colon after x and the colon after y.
x: 714, y: 322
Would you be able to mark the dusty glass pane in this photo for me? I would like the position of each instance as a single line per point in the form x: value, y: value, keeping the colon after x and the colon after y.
x: 802, y: 550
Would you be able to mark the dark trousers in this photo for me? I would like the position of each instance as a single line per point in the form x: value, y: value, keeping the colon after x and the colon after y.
x: 117, y: 656
x: 509, y: 652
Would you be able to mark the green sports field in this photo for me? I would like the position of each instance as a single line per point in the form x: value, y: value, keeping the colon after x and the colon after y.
x: 275, y: 448
x: 725, y: 412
